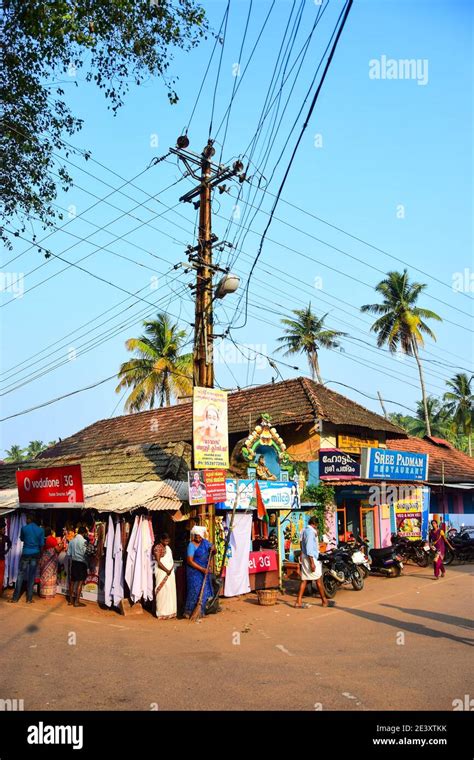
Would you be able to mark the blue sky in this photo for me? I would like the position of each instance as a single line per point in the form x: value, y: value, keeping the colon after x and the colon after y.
x: 386, y: 160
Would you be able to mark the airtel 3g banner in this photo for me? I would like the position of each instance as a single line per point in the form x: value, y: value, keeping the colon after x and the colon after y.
x: 49, y: 486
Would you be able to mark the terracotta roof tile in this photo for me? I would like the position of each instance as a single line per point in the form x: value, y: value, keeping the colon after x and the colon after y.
x: 288, y: 402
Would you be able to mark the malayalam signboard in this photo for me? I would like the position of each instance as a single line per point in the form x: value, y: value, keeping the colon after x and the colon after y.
x: 388, y: 464
x: 337, y: 465
x: 50, y: 486
x: 353, y: 443
x: 210, y: 432
x: 206, y: 486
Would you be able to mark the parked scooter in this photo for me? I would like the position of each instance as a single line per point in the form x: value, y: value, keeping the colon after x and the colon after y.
x: 340, y: 570
x: 384, y: 561
x: 417, y: 551
x: 358, y: 556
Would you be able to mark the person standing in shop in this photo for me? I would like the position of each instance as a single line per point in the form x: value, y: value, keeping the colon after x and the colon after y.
x: 310, y: 564
x: 33, y: 540
x: 165, y: 580
x: 76, y: 551
x: 5, y: 545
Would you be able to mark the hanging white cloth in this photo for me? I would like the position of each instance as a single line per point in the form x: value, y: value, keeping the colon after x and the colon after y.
x: 109, y: 563
x: 131, y: 554
x: 237, y: 571
x: 117, y: 588
x: 12, y: 559
x: 166, y: 596
x: 147, y: 568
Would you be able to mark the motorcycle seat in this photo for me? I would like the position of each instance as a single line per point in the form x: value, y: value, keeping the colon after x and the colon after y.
x: 387, y: 551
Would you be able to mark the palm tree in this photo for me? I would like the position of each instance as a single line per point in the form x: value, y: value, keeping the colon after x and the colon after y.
x: 159, y: 371
x: 15, y: 454
x: 460, y: 404
x: 437, y: 415
x: 34, y: 448
x: 401, y: 324
x: 306, y: 334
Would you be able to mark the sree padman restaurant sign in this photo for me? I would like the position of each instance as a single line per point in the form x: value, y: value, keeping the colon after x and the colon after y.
x: 50, y: 486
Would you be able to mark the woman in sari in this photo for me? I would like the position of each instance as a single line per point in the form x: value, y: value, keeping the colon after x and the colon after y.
x: 165, y: 580
x: 438, y: 541
x: 199, y: 551
x: 48, y: 565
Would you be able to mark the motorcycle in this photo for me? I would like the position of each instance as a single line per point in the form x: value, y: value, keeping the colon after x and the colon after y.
x: 386, y: 561
x: 417, y: 551
x: 358, y: 556
x: 463, y: 546
x: 338, y: 569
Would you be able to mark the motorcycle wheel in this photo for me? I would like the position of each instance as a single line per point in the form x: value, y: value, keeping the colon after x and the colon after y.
x: 365, y: 572
x: 330, y: 585
x: 396, y: 572
x: 448, y: 556
x: 357, y: 580
x: 422, y: 559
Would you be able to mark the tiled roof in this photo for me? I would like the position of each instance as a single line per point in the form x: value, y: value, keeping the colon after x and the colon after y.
x: 121, y: 464
x: 458, y: 467
x: 288, y: 402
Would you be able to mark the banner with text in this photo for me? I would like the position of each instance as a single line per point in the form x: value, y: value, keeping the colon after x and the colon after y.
x: 210, y: 433
x: 206, y: 486
x: 50, y: 486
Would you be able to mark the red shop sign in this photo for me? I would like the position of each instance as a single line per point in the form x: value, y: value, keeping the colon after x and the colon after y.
x: 49, y: 486
x: 262, y: 562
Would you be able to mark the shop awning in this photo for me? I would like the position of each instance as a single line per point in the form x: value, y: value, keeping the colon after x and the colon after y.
x: 120, y: 497
x: 463, y: 486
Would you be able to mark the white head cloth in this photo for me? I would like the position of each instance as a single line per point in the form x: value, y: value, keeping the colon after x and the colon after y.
x: 200, y: 530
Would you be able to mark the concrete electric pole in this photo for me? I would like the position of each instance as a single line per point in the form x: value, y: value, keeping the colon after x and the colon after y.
x: 201, y: 256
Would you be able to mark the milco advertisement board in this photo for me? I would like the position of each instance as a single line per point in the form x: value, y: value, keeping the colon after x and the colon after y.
x: 210, y: 436
x: 50, y: 487
x: 275, y: 494
x: 388, y: 464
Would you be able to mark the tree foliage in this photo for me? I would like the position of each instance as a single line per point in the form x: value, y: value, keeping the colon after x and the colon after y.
x: 160, y: 370
x: 46, y: 46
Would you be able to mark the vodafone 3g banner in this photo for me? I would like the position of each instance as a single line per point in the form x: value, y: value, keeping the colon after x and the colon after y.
x: 49, y: 486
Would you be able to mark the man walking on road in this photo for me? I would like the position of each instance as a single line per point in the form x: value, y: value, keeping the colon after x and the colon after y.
x: 310, y: 564
x: 33, y: 540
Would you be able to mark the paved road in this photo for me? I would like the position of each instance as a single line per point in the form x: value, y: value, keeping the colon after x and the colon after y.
x: 382, y: 648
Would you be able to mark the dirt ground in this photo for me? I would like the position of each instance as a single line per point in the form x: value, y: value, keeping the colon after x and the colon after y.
x: 377, y: 649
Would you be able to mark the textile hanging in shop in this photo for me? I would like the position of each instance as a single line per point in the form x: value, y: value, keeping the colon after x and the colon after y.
x: 109, y: 563
x: 117, y: 588
x: 138, y: 570
x: 237, y: 570
x: 12, y: 559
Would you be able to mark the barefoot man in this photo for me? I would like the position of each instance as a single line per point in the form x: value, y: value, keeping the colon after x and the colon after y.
x: 310, y: 564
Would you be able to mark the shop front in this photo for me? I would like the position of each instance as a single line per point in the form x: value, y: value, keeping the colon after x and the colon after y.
x: 379, y: 493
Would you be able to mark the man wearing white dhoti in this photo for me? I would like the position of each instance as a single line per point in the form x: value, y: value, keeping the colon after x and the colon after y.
x: 165, y: 580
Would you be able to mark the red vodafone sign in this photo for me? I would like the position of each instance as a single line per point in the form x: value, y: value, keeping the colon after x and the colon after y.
x: 49, y: 486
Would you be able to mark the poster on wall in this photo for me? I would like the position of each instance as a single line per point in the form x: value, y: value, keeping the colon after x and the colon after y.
x: 210, y: 431
x: 409, y: 515
x: 206, y: 486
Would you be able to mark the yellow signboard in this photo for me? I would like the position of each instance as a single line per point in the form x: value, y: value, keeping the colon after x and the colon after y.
x: 352, y: 444
x: 210, y: 434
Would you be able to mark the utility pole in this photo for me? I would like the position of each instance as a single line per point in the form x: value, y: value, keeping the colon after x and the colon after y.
x: 201, y: 256
x: 382, y: 405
